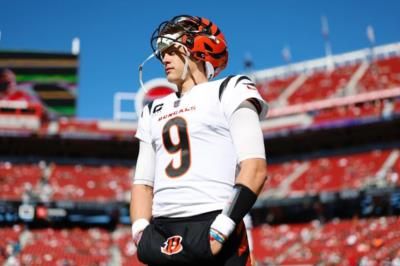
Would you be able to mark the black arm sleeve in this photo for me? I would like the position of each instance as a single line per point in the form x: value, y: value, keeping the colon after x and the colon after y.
x: 243, y: 199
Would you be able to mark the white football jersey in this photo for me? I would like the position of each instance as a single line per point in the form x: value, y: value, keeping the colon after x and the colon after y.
x: 195, y: 157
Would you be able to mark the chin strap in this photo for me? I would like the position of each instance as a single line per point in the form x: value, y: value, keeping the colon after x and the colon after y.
x: 143, y: 89
x: 141, y: 68
x: 186, y: 65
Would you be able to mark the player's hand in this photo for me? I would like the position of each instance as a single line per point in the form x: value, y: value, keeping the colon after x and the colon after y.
x: 220, y: 230
x: 137, y: 230
x: 215, y: 247
x: 137, y: 237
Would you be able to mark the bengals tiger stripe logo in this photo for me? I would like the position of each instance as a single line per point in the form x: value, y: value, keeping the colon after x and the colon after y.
x: 172, y: 245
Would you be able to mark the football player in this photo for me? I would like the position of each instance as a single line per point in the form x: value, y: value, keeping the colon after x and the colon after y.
x: 201, y: 162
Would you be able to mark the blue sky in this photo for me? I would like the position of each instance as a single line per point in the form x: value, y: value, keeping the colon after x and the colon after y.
x: 115, y: 34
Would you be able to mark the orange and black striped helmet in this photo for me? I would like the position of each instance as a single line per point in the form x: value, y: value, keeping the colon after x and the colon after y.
x: 200, y: 36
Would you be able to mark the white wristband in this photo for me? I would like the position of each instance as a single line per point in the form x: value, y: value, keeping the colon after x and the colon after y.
x: 137, y: 228
x: 223, y: 224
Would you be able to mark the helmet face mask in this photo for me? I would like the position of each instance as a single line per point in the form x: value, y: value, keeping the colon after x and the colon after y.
x: 203, y: 40
x: 166, y: 41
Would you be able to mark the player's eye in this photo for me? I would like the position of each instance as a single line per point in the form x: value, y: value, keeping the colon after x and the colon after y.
x: 162, y: 54
x: 170, y: 52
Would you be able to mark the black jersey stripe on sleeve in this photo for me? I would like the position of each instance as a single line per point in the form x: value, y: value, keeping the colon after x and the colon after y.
x: 150, y: 106
x: 223, y: 85
x: 256, y: 104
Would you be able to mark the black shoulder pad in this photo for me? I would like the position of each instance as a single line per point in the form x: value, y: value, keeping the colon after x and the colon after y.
x: 223, y: 85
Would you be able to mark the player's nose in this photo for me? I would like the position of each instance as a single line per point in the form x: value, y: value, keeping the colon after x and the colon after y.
x: 166, y: 58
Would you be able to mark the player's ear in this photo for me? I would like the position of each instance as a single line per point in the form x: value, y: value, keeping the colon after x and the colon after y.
x: 200, y: 65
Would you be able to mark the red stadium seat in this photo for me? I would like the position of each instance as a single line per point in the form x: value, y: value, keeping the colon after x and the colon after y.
x: 339, y: 172
x: 90, y: 183
x: 271, y: 89
x: 363, y: 110
x: 322, y: 85
x: 16, y: 178
x: 339, y: 242
x: 381, y: 74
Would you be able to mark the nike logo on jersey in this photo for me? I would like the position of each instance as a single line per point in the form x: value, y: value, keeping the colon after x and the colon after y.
x: 250, y: 86
x: 158, y: 108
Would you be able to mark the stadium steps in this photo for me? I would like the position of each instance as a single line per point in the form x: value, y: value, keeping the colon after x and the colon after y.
x: 281, y: 258
x: 282, y: 99
x: 351, y: 87
x: 386, y: 166
x: 286, y: 185
x: 284, y: 188
x: 115, y: 258
x: 24, y: 238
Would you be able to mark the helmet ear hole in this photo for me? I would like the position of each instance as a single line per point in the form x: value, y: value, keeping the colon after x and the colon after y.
x: 199, y: 55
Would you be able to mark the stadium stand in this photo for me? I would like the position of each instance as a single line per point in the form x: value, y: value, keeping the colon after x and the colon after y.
x: 381, y: 74
x: 16, y: 181
x: 322, y: 85
x: 397, y: 106
x: 64, y: 182
x: 271, y: 90
x: 278, y: 173
x: 334, y: 173
x: 9, y: 242
x: 351, y: 112
x: 122, y: 237
x: 66, y: 247
x: 348, y: 77
x: 307, y: 100
x: 339, y: 173
x: 112, y: 183
x: 339, y: 242
x: 92, y: 128
x: 90, y: 183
